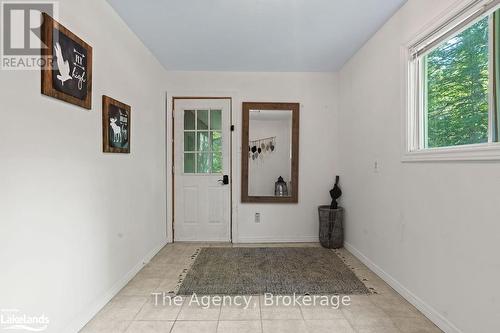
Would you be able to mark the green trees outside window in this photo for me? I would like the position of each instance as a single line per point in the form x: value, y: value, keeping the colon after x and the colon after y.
x: 457, y: 89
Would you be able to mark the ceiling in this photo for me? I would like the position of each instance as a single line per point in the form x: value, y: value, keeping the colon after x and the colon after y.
x: 255, y: 35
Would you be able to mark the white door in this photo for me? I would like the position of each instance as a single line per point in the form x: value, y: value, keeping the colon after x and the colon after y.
x: 202, y: 201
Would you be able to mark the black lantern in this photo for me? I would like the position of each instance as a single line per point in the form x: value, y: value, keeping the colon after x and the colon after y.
x: 280, y: 188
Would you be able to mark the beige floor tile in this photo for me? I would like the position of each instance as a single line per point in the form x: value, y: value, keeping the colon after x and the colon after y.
x: 329, y: 326
x: 321, y: 312
x: 415, y: 325
x: 175, y: 258
x: 166, y: 252
x: 153, y: 311
x: 160, y: 271
x: 284, y: 326
x: 192, y: 311
x: 362, y: 321
x: 380, y: 288
x: 105, y: 326
x: 366, y: 316
x: 121, y: 308
x: 180, y: 259
x: 277, y: 310
x: 132, y: 309
x: 363, y: 272
x: 239, y: 327
x: 395, y: 306
x: 194, y: 327
x: 394, y: 298
x: 243, y: 311
x: 167, y: 285
x: 140, y: 287
x: 359, y: 300
x: 216, y: 244
x: 150, y: 327
x: 378, y: 330
x: 280, y: 312
x: 368, y: 309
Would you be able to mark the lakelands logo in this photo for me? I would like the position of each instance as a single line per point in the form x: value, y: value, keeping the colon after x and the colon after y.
x: 13, y: 319
x: 21, y: 33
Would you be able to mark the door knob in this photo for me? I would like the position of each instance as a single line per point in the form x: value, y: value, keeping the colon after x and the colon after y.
x: 224, y: 180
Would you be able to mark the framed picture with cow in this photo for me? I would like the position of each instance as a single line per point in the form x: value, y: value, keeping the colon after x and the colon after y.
x: 67, y: 70
x: 115, y: 126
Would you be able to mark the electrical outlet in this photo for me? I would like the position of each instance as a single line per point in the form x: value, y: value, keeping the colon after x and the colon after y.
x: 376, y: 166
x: 257, y: 217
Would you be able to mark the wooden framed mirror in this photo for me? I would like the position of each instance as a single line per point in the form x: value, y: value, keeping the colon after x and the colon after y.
x: 270, y: 153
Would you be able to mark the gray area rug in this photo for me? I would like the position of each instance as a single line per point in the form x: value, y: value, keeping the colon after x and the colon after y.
x: 281, y: 271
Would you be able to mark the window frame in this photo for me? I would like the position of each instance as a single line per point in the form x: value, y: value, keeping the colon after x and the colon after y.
x: 413, y: 53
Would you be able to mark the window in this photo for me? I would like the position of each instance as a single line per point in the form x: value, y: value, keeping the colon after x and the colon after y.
x: 456, y: 89
x: 202, y: 141
x: 453, y: 97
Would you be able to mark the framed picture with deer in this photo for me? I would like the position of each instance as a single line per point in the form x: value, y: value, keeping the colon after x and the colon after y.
x: 67, y: 70
x: 115, y: 126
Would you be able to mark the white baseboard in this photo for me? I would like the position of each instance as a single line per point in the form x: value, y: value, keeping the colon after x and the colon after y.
x: 304, y: 239
x: 84, y: 317
x: 431, y: 313
x: 207, y: 240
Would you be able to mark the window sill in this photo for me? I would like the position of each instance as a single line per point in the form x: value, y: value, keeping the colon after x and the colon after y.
x: 480, y: 152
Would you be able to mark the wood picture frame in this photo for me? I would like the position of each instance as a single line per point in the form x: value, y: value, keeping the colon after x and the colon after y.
x: 294, y: 107
x: 116, y: 126
x: 67, y: 71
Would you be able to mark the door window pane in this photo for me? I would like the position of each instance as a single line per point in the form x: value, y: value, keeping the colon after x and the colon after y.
x: 216, y: 162
x: 215, y: 119
x: 189, y: 141
x: 189, y: 119
x: 202, y: 141
x: 202, y: 119
x: 189, y: 162
x: 203, y: 165
x: 216, y: 141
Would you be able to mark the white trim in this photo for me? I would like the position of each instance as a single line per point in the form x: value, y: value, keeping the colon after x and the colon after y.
x: 479, y: 152
x: 458, y: 19
x: 431, y: 313
x: 235, y: 111
x: 302, y: 239
x: 168, y: 172
x: 206, y: 240
x: 86, y: 315
x: 413, y: 121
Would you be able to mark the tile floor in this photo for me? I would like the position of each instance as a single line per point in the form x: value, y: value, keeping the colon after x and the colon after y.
x: 133, y: 310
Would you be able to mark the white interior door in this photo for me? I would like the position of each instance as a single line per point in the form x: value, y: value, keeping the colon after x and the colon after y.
x: 202, y: 202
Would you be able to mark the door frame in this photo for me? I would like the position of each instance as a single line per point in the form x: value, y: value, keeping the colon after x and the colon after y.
x: 171, y: 229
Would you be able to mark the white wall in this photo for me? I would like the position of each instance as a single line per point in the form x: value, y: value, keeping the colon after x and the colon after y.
x: 264, y: 171
x: 318, y: 145
x: 74, y: 222
x: 432, y: 228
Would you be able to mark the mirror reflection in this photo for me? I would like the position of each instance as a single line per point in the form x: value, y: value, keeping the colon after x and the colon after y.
x: 270, y: 153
